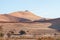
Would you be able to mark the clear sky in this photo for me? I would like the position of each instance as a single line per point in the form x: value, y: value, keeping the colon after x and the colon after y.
x: 44, y: 8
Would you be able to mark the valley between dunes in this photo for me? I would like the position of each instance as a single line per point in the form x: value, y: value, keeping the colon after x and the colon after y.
x: 29, y: 23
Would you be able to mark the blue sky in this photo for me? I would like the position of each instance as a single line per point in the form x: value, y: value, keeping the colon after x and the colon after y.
x: 44, y: 8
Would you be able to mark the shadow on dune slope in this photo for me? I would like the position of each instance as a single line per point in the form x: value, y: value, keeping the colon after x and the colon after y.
x: 15, y: 19
x: 55, y: 23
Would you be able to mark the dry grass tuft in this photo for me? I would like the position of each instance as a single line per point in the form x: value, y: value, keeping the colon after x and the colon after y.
x: 46, y: 38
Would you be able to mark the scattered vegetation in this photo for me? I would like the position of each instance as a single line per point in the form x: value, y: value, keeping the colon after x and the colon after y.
x: 23, y: 38
x: 58, y: 39
x: 1, y: 34
x: 46, y: 38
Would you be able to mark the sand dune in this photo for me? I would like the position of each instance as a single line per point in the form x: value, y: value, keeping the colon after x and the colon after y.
x: 26, y: 15
x: 20, y: 16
